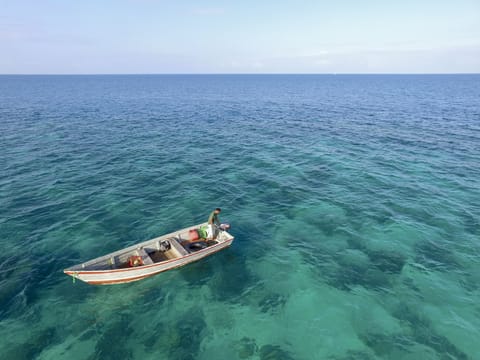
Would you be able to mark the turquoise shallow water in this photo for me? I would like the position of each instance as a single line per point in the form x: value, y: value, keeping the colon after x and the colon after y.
x: 354, y: 201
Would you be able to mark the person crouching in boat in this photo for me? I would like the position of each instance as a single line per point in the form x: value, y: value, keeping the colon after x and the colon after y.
x: 212, y: 221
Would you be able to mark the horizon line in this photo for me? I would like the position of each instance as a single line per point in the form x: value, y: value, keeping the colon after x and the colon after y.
x: 201, y: 74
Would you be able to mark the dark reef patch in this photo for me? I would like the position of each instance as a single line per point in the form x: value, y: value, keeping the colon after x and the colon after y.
x: 246, y: 348
x: 360, y: 270
x: 354, y: 266
x: 274, y: 352
x: 354, y: 355
x: 112, y: 342
x: 155, y: 334
x: 199, y: 273
x: 471, y: 223
x: 386, y: 346
x: 435, y: 256
x: 38, y: 342
x: 439, y: 343
x: 387, y: 262
x: 154, y: 295
x: 422, y: 332
x: 90, y: 333
x: 347, y: 278
x: 355, y: 242
x: 272, y: 303
x: 251, y: 235
x: 182, y: 339
x: 411, y: 284
x: 233, y: 279
x: 15, y: 281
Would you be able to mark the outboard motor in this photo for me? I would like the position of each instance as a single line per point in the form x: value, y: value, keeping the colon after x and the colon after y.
x: 164, y: 246
x: 224, y: 227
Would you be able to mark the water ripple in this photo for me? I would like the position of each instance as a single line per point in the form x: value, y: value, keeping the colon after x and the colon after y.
x: 354, y: 202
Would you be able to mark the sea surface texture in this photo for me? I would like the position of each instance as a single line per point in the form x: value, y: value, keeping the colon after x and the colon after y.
x: 354, y: 200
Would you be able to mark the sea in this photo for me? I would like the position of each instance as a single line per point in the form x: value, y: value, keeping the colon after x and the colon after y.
x: 354, y: 201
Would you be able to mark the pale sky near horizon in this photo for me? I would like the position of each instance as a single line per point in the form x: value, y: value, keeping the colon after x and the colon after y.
x: 186, y: 36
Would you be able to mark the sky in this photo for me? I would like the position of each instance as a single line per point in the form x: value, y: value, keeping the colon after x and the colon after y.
x: 243, y: 36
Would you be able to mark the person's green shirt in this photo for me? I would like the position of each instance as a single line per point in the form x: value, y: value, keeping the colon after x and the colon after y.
x: 213, y: 218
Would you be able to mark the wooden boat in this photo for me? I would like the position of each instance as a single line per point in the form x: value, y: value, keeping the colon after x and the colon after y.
x: 149, y: 258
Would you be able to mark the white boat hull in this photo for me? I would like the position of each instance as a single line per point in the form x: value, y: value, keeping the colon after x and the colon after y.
x: 129, y: 274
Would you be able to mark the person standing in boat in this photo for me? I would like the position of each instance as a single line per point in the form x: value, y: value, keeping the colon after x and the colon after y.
x: 212, y: 221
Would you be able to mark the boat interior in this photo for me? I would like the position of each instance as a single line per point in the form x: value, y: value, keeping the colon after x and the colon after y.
x: 155, y: 251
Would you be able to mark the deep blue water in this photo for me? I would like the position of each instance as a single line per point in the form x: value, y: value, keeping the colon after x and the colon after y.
x: 354, y: 200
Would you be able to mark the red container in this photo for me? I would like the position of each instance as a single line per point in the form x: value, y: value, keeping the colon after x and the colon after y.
x: 193, y: 235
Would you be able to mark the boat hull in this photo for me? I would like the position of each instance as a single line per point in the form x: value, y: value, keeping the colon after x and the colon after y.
x: 119, y: 276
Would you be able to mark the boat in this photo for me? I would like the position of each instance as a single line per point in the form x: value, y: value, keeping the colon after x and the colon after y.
x: 151, y: 257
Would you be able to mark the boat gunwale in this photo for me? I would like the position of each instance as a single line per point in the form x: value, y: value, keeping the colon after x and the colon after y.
x: 137, y: 268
